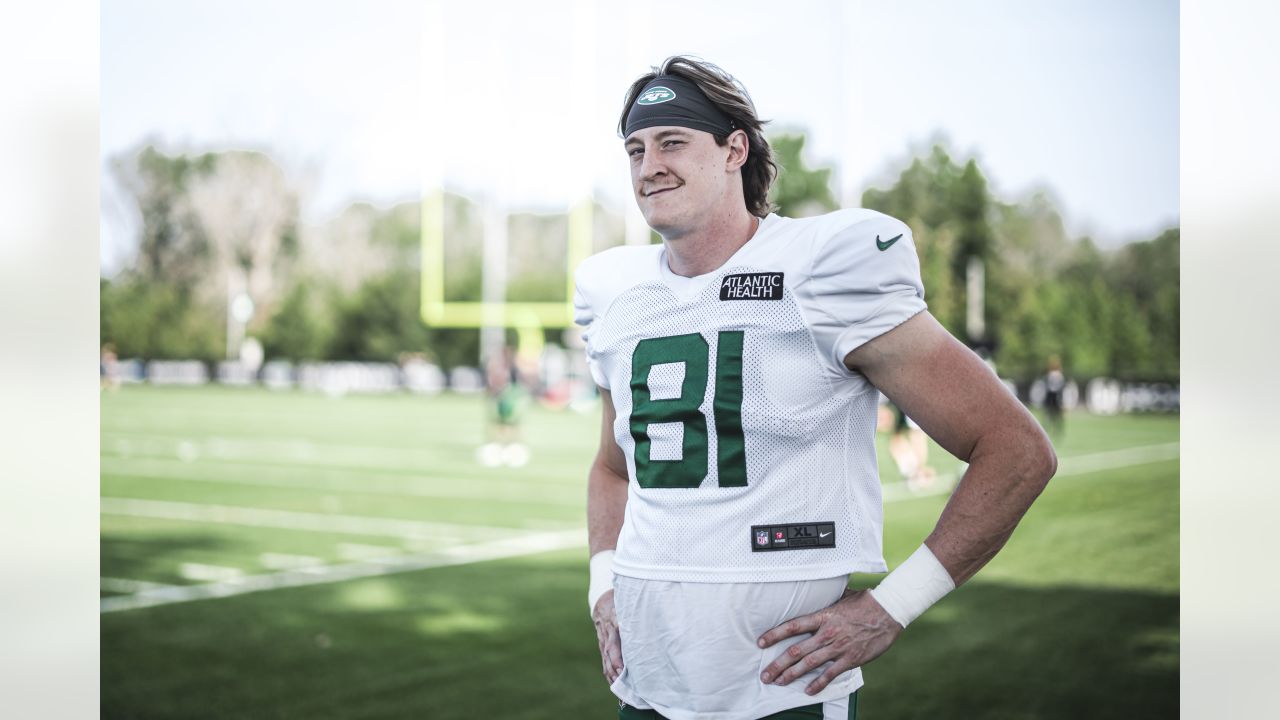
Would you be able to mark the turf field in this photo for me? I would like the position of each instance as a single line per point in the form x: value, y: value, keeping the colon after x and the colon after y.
x: 280, y: 554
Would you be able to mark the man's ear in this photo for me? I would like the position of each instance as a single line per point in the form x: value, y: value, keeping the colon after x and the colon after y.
x: 738, y: 150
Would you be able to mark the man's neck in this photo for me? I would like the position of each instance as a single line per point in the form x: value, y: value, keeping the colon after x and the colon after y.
x: 710, y: 246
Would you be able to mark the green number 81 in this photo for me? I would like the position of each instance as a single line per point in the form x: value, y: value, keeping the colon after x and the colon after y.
x: 691, y: 469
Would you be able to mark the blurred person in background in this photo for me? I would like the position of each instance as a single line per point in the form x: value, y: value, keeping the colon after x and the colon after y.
x: 508, y: 397
x: 736, y: 487
x: 1054, y: 384
x: 909, y: 447
x: 109, y: 368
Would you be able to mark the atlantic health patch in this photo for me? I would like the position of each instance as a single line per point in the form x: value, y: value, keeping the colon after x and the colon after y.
x: 752, y: 286
x: 795, y: 536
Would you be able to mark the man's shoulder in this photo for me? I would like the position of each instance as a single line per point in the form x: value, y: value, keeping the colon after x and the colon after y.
x: 601, y: 277
x: 858, y: 230
x: 853, y: 223
x: 853, y: 239
x: 610, y: 266
x: 863, y: 249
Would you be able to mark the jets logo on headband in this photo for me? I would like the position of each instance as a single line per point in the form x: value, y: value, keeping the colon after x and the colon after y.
x: 658, y: 104
x: 656, y: 95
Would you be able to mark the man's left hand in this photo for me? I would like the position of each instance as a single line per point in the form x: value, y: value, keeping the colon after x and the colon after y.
x: 852, y: 632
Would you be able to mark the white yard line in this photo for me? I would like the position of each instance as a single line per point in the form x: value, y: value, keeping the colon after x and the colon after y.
x: 359, y: 551
x: 1067, y: 467
x: 293, y: 520
x: 201, y: 571
x: 288, y: 561
x: 1112, y: 459
x: 457, y: 555
x: 318, y: 454
x: 122, y: 585
x: 351, y: 481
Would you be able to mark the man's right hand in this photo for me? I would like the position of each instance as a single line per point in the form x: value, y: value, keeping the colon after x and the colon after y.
x: 606, y: 622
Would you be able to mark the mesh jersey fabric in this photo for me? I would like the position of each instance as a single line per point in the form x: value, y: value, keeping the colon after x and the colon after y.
x: 807, y: 423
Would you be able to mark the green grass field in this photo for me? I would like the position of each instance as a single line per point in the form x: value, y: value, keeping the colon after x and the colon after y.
x: 471, y: 598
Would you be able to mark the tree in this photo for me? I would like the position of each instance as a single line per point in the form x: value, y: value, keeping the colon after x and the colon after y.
x: 174, y: 247
x: 1149, y: 273
x: 1103, y: 313
x: 149, y: 319
x: 300, y: 328
x: 946, y: 208
x: 205, y: 218
x: 249, y: 214
x: 381, y: 320
x: 798, y: 190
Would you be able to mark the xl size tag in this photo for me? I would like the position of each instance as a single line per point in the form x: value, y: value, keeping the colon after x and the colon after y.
x: 752, y: 286
x: 796, y: 536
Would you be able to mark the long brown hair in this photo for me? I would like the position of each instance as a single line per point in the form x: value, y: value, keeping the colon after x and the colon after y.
x: 723, y: 90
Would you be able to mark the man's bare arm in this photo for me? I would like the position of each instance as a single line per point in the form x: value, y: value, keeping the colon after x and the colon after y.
x: 606, y: 506
x: 963, y: 406
x: 606, y: 485
x: 960, y: 403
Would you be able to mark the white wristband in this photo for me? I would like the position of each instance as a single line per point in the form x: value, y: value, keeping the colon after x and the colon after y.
x: 601, y: 578
x: 913, y: 586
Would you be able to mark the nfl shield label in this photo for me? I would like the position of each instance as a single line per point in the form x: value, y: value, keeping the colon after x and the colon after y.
x: 793, y: 536
x: 752, y: 286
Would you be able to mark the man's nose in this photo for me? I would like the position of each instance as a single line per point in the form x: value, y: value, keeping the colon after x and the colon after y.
x: 651, y: 166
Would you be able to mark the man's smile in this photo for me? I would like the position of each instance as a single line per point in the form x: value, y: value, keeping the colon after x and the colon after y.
x: 651, y: 193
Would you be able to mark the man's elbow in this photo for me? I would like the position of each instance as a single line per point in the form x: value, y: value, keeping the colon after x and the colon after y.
x: 1041, y: 462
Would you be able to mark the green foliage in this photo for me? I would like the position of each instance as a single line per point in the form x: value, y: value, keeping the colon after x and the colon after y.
x: 531, y: 287
x: 946, y: 206
x: 300, y: 328
x: 149, y: 319
x: 1113, y: 314
x: 175, y: 247
x: 798, y: 191
x: 971, y: 202
x: 382, y: 320
x: 1148, y: 272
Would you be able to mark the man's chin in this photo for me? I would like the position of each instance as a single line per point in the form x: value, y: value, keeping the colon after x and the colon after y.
x: 656, y: 222
x: 665, y: 224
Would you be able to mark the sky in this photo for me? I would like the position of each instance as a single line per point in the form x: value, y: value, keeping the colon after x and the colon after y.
x: 516, y: 103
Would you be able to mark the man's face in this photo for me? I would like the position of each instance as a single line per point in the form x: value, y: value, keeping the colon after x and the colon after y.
x: 678, y: 175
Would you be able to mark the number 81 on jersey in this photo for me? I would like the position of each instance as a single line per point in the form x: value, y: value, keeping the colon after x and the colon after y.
x: 691, y: 469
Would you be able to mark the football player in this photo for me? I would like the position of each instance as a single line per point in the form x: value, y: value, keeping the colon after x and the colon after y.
x: 740, y: 363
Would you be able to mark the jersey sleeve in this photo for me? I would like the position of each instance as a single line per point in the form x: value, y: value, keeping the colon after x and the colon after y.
x: 585, y: 315
x: 865, y: 281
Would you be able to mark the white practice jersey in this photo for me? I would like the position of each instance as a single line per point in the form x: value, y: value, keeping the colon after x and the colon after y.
x: 749, y: 445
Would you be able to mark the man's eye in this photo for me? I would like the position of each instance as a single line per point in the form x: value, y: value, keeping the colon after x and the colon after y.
x: 672, y: 143
x: 635, y: 151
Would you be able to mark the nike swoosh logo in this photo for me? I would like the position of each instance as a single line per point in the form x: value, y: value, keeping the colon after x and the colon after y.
x: 885, y: 245
x: 822, y: 535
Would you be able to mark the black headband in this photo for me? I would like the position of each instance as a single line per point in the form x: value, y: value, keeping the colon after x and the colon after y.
x: 672, y: 100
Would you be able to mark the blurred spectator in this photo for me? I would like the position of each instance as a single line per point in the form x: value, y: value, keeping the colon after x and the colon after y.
x: 1054, y: 383
x: 909, y: 447
x: 506, y: 388
x: 109, y: 368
